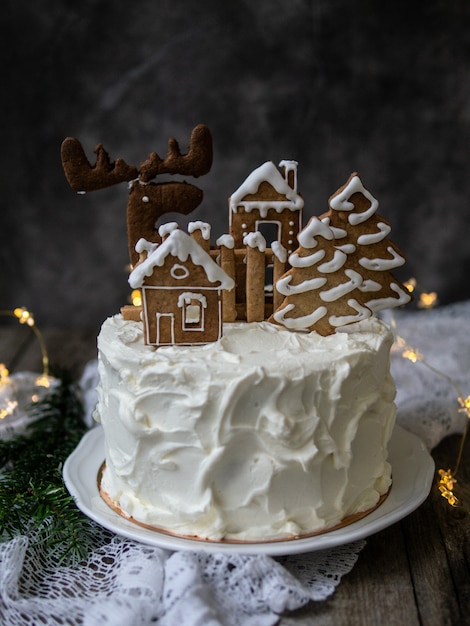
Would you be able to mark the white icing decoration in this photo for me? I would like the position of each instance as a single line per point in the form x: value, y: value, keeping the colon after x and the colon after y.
x: 306, y: 261
x: 336, y: 263
x: 181, y: 246
x: 385, y: 303
x: 315, y: 227
x: 367, y: 240
x: 299, y: 323
x: 288, y: 163
x: 166, y: 229
x: 348, y: 248
x: 267, y: 172
x: 341, y: 201
x: 284, y: 287
x: 339, y: 233
x: 370, y: 285
x: 204, y: 227
x: 145, y: 246
x: 169, y: 316
x: 290, y: 166
x: 342, y: 320
x: 145, y: 199
x: 341, y: 290
x: 383, y: 265
x: 179, y: 271
x: 279, y: 251
x: 193, y: 314
x: 255, y: 240
x: 227, y: 241
x: 187, y: 296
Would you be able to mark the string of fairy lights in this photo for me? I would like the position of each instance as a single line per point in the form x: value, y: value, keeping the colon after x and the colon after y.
x: 9, y: 405
x: 425, y: 300
x: 447, y: 480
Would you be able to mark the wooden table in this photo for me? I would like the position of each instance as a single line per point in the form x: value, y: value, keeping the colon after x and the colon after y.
x: 416, y: 572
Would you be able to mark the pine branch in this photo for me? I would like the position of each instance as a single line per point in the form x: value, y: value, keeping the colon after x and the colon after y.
x: 32, y: 492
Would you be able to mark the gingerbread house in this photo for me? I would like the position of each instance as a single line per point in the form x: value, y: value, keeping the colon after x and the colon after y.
x: 266, y: 207
x: 268, y: 202
x: 181, y: 289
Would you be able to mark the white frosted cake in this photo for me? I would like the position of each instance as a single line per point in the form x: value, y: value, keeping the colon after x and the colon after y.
x: 264, y: 434
x: 248, y: 397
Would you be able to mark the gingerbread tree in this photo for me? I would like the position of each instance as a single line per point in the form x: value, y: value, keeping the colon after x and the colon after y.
x: 321, y: 291
x: 362, y: 234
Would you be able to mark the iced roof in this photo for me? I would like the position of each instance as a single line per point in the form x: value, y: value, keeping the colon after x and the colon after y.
x: 181, y: 246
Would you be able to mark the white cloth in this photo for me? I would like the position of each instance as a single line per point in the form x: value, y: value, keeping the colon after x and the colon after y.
x: 124, y: 583
x: 427, y: 400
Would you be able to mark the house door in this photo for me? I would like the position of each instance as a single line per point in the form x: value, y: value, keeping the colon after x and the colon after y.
x: 270, y: 229
x: 165, y: 328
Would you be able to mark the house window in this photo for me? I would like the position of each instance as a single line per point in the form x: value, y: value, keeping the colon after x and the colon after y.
x: 192, y: 305
x: 179, y: 271
x: 192, y: 313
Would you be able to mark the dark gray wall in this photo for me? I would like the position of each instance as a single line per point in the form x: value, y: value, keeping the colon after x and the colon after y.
x: 339, y: 86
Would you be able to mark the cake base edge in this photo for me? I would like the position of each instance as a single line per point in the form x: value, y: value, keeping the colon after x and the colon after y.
x: 346, y: 521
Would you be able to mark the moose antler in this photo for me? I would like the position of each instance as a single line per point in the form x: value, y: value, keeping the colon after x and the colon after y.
x: 82, y: 176
x: 196, y: 162
x: 148, y: 201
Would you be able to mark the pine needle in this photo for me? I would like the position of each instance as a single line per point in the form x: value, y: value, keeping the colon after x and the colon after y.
x: 32, y: 492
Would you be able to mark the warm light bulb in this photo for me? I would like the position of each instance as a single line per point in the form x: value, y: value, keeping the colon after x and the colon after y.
x: 427, y: 300
x: 8, y: 409
x: 410, y: 284
x: 412, y: 355
x: 136, y: 297
x: 4, y: 373
x: 465, y: 406
x: 446, y: 486
x: 43, y: 381
x: 24, y: 316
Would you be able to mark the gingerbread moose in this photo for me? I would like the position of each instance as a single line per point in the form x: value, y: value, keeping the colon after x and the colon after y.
x: 148, y: 201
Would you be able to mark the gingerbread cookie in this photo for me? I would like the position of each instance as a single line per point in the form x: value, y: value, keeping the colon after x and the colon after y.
x: 181, y: 290
x: 82, y: 176
x: 341, y: 271
x: 148, y: 201
x: 320, y: 291
x: 363, y: 234
x: 268, y: 202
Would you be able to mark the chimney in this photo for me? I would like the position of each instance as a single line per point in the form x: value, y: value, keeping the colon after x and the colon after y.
x: 201, y: 232
x: 166, y: 229
x: 290, y: 173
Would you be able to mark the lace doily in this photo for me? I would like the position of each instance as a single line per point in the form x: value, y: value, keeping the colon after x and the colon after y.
x: 125, y: 583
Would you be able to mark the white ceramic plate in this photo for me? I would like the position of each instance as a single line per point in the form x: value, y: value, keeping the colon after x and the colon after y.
x: 413, y: 472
